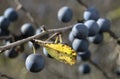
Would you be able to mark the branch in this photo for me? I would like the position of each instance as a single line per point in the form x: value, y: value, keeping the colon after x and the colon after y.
x: 29, y: 15
x: 17, y: 43
x: 99, y: 68
x: 82, y: 3
x: 5, y: 37
x: 5, y: 76
x: 112, y: 34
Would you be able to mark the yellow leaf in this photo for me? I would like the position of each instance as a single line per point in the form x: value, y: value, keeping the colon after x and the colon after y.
x: 61, y: 52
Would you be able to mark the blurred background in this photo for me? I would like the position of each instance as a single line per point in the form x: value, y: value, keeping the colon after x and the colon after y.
x: 45, y: 13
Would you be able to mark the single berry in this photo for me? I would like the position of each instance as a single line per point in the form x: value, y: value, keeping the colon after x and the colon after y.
x: 4, y: 23
x: 91, y: 13
x: 18, y: 37
x: 92, y: 26
x: 78, y: 58
x: 104, y: 24
x: 27, y: 30
x: 35, y: 63
x: 85, y: 55
x: 71, y: 37
x: 11, y: 53
x: 46, y: 53
x: 65, y: 14
x: 39, y: 31
x: 80, y: 45
x: 4, y: 32
x: 36, y: 46
x: 118, y: 71
x: 84, y: 69
x: 97, y: 39
x: 30, y: 44
x: 80, y: 31
x: 11, y: 14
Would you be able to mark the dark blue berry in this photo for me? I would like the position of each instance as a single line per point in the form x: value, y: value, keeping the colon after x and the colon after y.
x: 104, y: 24
x: 97, y: 39
x: 65, y: 14
x: 117, y: 71
x: 80, y: 31
x: 39, y: 31
x: 35, y: 63
x: 46, y: 53
x: 80, y: 45
x: 4, y: 32
x: 85, y: 55
x: 27, y: 30
x: 84, y: 69
x: 11, y: 14
x: 11, y: 53
x: 92, y: 26
x: 4, y: 23
x: 91, y: 13
x: 71, y: 37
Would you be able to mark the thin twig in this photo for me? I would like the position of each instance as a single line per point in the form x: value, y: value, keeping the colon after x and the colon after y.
x: 5, y: 76
x: 29, y: 15
x: 99, y: 68
x: 82, y: 3
x: 17, y: 43
x: 5, y: 37
x: 52, y: 36
x: 112, y: 34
